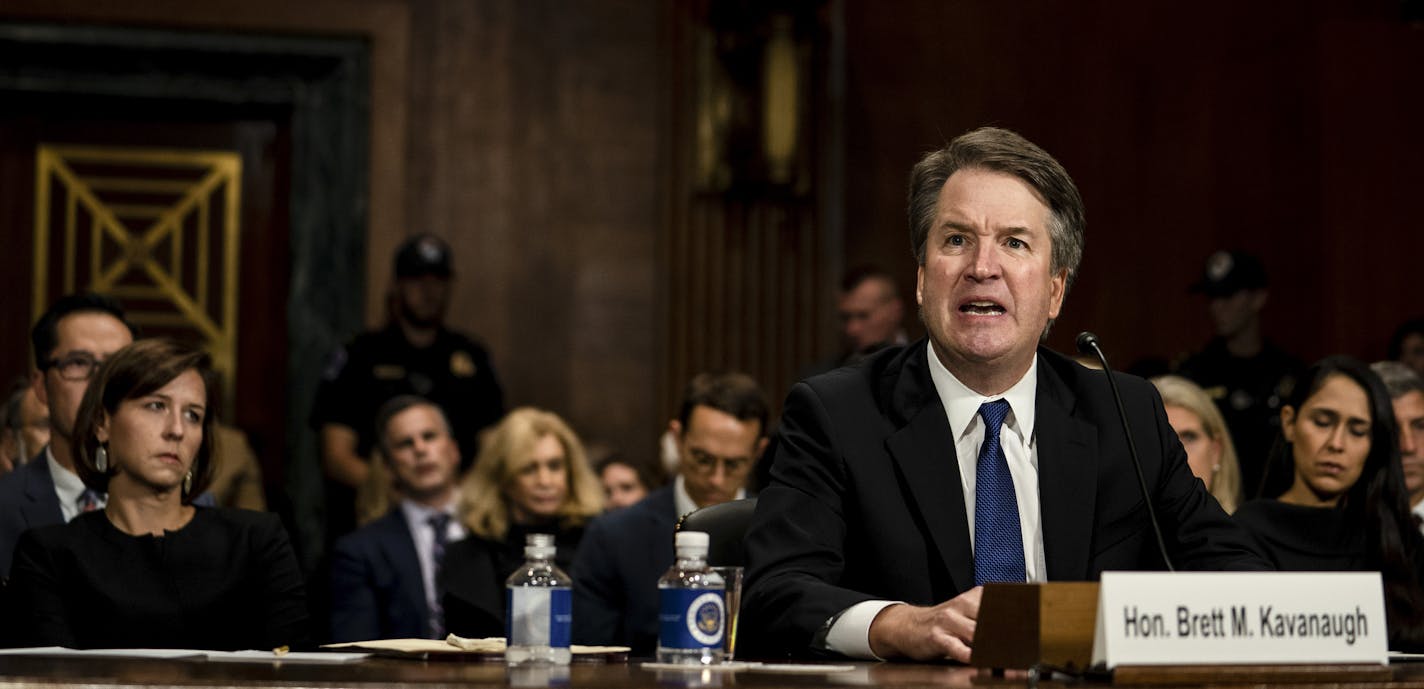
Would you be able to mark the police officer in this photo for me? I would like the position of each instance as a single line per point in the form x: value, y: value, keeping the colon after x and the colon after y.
x: 415, y: 354
x: 1239, y: 368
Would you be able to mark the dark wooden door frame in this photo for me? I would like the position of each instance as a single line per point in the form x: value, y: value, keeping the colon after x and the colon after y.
x: 324, y: 81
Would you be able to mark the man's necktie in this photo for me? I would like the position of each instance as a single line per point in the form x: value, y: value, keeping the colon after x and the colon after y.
x: 440, y: 524
x: 88, y: 500
x: 998, y: 539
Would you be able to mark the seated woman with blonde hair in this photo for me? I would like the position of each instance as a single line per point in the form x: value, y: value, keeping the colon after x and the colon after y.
x: 1210, y: 453
x: 532, y: 477
x: 151, y: 569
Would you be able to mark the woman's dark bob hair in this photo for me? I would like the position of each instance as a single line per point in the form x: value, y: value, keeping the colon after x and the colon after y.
x: 132, y: 372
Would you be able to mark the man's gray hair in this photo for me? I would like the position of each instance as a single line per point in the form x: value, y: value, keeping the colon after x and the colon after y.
x: 1398, y: 378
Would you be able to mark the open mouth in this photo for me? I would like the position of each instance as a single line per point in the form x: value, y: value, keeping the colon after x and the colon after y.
x: 981, y: 308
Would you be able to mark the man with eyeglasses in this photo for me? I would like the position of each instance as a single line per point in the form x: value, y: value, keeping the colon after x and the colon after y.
x: 70, y: 340
x: 720, y: 431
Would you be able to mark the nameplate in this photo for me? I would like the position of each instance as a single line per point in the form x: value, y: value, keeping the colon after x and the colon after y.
x: 1161, y: 618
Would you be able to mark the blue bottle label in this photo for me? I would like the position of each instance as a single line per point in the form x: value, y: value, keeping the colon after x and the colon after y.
x: 691, y: 618
x: 538, y: 616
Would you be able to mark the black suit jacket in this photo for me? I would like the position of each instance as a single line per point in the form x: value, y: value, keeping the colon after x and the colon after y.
x: 376, y: 588
x: 475, y: 570
x: 621, y: 558
x: 866, y: 500
x: 27, y: 500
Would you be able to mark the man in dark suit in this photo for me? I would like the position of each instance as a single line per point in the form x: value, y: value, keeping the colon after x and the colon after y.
x: 383, y: 575
x: 903, y: 484
x: 69, y: 341
x: 719, y: 433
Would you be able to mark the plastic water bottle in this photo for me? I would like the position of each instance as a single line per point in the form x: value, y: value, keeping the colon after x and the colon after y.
x: 538, y: 608
x: 693, y: 615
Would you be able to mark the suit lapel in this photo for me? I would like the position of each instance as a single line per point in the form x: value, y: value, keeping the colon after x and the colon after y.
x: 42, y: 505
x: 1067, y: 477
x: 924, y: 451
x: 399, y: 550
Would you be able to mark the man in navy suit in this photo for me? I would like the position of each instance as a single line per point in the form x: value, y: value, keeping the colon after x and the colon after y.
x: 901, y: 485
x: 719, y: 431
x: 69, y: 341
x: 383, y: 575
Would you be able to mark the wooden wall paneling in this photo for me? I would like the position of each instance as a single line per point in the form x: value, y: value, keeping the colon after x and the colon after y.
x: 752, y: 293
x: 1187, y: 127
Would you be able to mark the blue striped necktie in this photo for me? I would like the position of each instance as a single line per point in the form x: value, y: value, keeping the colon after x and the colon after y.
x: 998, y: 538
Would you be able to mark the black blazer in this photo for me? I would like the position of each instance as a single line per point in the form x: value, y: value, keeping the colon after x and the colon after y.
x: 475, y: 570
x: 621, y: 558
x: 376, y: 588
x: 866, y: 501
x: 27, y: 500
x: 228, y: 580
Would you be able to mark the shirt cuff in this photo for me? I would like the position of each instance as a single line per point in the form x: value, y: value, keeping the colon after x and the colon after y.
x: 849, y: 634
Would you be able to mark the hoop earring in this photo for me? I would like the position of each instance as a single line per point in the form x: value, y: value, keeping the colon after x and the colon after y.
x: 101, y: 460
x: 188, y: 482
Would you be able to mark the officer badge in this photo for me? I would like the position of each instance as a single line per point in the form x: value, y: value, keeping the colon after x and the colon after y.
x: 462, y: 365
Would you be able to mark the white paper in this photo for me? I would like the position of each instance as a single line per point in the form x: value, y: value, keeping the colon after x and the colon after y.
x: 304, y: 657
x: 61, y: 652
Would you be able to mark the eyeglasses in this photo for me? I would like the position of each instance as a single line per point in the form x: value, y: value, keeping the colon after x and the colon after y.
x: 76, y: 366
x: 706, y: 464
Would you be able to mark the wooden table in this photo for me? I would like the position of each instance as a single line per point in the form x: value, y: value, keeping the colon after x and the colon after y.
x: 387, y: 672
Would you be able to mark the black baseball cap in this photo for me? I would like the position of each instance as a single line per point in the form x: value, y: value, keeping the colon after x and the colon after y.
x: 1229, y: 272
x: 423, y: 254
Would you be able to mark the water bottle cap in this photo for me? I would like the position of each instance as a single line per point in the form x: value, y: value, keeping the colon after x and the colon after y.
x: 539, y: 545
x: 692, y: 540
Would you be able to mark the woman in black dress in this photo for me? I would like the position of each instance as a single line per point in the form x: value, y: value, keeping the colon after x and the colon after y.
x: 1340, y: 499
x: 532, y: 477
x: 150, y: 569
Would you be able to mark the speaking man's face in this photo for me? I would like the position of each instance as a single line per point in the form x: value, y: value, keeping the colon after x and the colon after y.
x: 987, y: 289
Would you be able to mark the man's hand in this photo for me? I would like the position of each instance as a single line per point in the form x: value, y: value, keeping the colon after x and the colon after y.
x: 943, y: 631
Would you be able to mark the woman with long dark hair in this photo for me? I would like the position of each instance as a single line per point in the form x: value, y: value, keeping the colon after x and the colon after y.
x: 1340, y: 501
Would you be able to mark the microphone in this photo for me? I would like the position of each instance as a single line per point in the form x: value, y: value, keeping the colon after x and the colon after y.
x: 1088, y: 346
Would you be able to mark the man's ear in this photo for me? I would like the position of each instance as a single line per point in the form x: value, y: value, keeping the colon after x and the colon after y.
x: 761, y: 447
x: 37, y: 381
x: 675, y: 428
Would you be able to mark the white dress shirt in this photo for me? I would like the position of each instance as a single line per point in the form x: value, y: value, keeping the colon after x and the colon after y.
x: 67, y: 487
x: 416, y: 519
x: 1419, y: 512
x: 850, y: 634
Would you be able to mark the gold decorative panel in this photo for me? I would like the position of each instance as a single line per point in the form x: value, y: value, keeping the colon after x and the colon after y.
x: 155, y: 228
